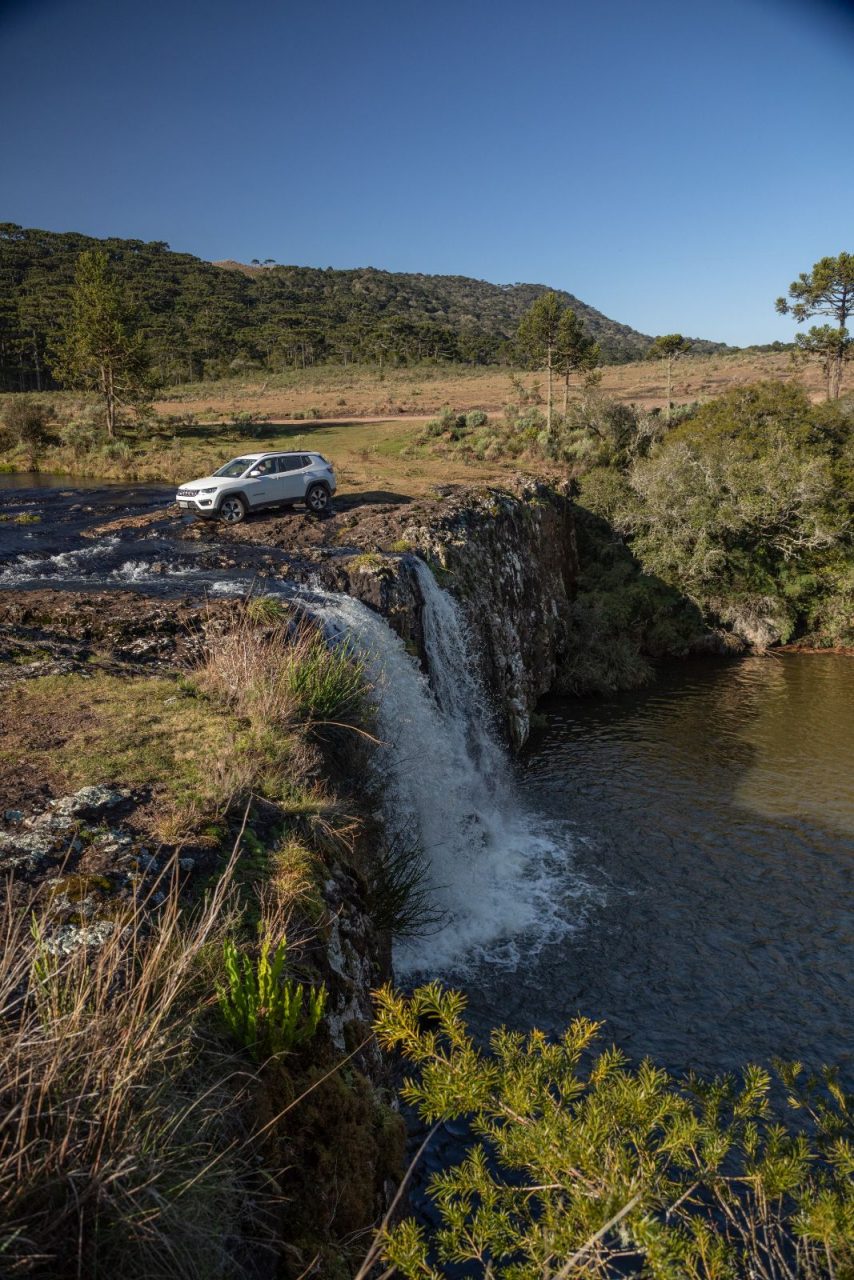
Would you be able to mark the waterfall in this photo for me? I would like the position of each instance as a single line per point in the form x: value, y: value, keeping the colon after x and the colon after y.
x: 493, y: 868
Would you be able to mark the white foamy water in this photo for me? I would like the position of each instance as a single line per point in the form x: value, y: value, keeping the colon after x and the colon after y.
x: 144, y: 571
x: 500, y: 875
x: 65, y: 564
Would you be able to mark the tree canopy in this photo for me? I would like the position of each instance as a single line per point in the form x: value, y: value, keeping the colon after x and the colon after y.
x: 100, y: 347
x: 827, y: 290
x: 203, y: 320
x: 670, y: 347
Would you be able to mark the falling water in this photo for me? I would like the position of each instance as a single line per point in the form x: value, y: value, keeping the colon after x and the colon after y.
x: 497, y: 874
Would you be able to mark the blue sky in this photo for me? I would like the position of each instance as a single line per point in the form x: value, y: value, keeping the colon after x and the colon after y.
x: 674, y: 164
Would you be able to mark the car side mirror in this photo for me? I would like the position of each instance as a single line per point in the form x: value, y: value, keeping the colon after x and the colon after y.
x: 256, y: 471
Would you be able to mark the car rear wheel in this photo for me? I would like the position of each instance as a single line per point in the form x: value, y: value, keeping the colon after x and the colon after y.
x: 317, y: 499
x: 232, y: 510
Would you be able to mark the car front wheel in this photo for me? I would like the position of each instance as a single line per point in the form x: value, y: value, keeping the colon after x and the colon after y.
x: 232, y: 510
x: 317, y: 499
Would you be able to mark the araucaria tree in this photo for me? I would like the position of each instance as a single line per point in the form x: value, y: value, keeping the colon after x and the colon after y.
x: 577, y: 353
x: 827, y: 290
x: 670, y: 347
x: 100, y: 348
x: 538, y: 336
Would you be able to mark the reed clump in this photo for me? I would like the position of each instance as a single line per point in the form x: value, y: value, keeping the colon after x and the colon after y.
x: 122, y: 1132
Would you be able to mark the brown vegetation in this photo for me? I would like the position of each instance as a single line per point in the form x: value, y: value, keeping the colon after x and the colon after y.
x: 136, y: 1137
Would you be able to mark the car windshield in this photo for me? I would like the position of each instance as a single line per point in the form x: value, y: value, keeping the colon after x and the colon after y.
x: 235, y: 468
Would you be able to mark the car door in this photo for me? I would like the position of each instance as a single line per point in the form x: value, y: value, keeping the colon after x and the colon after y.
x: 291, y: 478
x: 261, y: 483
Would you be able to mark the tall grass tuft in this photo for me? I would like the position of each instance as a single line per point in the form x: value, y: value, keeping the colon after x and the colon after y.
x: 120, y: 1111
x: 285, y: 676
x: 402, y: 899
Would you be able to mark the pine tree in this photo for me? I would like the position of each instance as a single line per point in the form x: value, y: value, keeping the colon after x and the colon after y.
x: 538, y: 337
x: 670, y: 347
x: 576, y: 352
x: 100, y: 348
x: 827, y: 290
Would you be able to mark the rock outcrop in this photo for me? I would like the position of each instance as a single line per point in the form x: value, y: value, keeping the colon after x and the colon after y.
x: 509, y: 558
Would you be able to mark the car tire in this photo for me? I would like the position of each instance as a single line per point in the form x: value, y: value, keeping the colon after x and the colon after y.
x: 318, y: 499
x: 232, y: 509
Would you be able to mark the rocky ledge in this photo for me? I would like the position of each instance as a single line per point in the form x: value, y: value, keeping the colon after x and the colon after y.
x: 507, y: 555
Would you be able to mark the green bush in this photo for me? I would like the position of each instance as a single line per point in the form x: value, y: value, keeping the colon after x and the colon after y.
x: 579, y: 1164
x: 265, y: 1012
x: 245, y: 422
x: 447, y: 421
x: 476, y: 418
x: 745, y: 507
x: 25, y: 425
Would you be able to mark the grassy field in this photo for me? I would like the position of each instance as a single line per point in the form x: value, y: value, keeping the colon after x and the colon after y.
x: 330, y: 392
x: 365, y: 420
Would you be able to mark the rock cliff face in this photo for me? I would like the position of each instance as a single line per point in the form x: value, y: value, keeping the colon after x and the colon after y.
x: 509, y: 558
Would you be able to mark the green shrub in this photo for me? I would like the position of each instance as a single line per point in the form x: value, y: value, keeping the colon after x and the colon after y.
x: 25, y: 426
x: 245, y: 422
x: 476, y: 418
x: 579, y: 1164
x: 176, y: 421
x: 265, y: 1012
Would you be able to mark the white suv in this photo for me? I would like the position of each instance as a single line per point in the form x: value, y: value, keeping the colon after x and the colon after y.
x: 260, y: 480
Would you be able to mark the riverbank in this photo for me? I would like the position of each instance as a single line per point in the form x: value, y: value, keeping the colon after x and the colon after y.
x: 183, y: 775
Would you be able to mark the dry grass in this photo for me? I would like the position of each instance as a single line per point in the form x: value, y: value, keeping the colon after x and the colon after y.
x: 120, y: 1129
x: 364, y: 421
x: 134, y: 1140
x: 331, y: 393
x: 285, y: 676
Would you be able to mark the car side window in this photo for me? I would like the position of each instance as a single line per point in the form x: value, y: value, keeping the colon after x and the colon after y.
x: 290, y: 464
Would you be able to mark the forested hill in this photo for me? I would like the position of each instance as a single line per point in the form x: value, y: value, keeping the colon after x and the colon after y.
x: 204, y: 319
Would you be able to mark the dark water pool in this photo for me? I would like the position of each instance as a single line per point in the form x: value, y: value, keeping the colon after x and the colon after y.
x: 713, y: 819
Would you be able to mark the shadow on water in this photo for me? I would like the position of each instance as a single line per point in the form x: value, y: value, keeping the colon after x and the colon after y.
x: 716, y: 814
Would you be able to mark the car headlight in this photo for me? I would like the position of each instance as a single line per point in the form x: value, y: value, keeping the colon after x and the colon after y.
x: 212, y: 489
